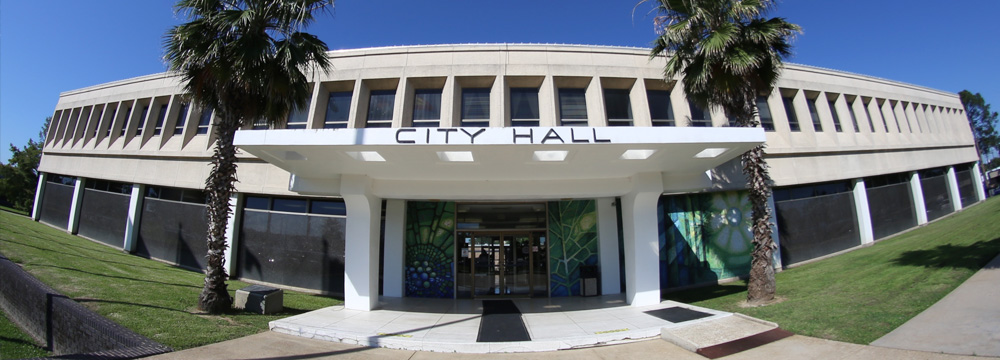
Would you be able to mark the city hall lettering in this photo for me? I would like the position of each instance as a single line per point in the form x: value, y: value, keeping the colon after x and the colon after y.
x: 514, y: 135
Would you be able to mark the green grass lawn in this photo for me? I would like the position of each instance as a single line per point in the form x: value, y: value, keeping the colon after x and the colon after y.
x: 154, y: 299
x: 15, y: 344
x: 862, y: 295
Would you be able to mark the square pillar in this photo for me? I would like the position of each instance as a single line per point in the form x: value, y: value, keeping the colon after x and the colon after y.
x: 74, y: 209
x: 134, y: 217
x: 395, y: 252
x: 917, y: 193
x: 36, y: 207
x: 233, y: 226
x: 863, y: 212
x: 607, y: 233
x: 642, y: 239
x: 362, y: 242
x: 977, y: 182
x: 952, y: 181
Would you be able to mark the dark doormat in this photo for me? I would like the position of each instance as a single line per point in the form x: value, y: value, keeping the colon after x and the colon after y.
x: 501, y: 322
x: 677, y: 314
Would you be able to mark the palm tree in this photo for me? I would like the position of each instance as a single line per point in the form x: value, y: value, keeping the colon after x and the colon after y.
x: 727, y: 55
x: 246, y: 60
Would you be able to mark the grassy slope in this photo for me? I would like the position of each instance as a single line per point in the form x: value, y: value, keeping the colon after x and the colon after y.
x: 151, y: 298
x: 15, y: 344
x: 864, y: 294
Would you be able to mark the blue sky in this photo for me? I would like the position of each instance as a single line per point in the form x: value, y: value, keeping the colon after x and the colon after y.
x: 47, y: 47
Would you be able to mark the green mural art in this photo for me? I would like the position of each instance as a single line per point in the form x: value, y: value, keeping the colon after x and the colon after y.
x: 572, y: 243
x: 430, y: 249
x: 704, y: 237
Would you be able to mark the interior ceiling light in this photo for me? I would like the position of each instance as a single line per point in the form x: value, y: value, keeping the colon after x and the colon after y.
x: 455, y: 156
x: 550, y: 155
x: 365, y: 155
x: 637, y: 154
x: 710, y: 153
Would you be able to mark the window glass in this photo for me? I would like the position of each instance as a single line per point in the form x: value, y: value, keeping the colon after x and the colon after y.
x: 426, y: 106
x: 111, y: 121
x: 204, y: 121
x: 97, y: 121
x: 660, y: 109
x: 128, y: 114
x: 181, y: 119
x: 380, y: 105
x: 854, y: 119
x: 289, y: 205
x: 814, y: 114
x: 618, y: 107
x: 260, y: 124
x: 258, y: 202
x: 142, y: 120
x: 476, y: 107
x: 524, y: 106
x: 699, y: 116
x: 573, y: 107
x: 160, y: 118
x: 327, y: 207
x: 811, y: 190
x: 298, y: 118
x: 836, y: 118
x: 764, y: 111
x: 793, y: 121
x: 868, y: 114
x: 338, y: 109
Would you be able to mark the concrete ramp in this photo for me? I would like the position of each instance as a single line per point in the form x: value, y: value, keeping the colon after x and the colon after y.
x: 718, y: 337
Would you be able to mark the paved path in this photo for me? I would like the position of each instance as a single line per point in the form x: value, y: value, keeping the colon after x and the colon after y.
x: 966, y: 321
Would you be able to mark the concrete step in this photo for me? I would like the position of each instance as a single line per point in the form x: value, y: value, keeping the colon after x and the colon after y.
x: 724, y: 336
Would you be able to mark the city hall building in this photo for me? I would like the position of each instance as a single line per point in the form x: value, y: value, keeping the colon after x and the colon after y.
x: 481, y: 171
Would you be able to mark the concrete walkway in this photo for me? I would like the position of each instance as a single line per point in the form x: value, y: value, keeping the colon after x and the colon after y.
x: 966, y: 321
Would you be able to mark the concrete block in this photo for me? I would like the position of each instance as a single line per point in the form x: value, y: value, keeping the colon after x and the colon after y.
x: 259, y: 299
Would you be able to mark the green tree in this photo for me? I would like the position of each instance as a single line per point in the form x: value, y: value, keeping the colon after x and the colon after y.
x: 727, y: 54
x: 19, y: 176
x: 245, y: 59
x: 983, y: 122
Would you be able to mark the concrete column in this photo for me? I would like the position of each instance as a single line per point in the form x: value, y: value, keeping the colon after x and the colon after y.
x: 233, y: 226
x: 36, y: 207
x: 642, y: 245
x: 74, y: 209
x: 776, y: 255
x: 395, y: 253
x: 134, y: 216
x: 362, y: 242
x: 917, y: 194
x: 977, y: 182
x: 607, y: 227
x: 952, y: 181
x: 864, y: 212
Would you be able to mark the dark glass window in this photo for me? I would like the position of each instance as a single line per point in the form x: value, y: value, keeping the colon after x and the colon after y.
x: 260, y: 124
x: 793, y: 121
x: 109, y: 186
x: 811, y: 190
x: 176, y: 194
x: 128, y: 114
x: 327, y: 207
x: 160, y: 118
x: 181, y: 119
x: 573, y: 107
x: 854, y: 119
x: 764, y: 111
x: 204, y: 121
x: 618, y: 107
x: 888, y: 179
x: 836, y: 118
x: 258, y: 202
x: 97, y: 121
x: 338, y: 110
x: 476, y: 107
x: 426, y: 107
x: 380, y: 105
x: 868, y: 114
x: 142, y: 120
x: 660, y: 110
x: 814, y: 114
x: 524, y: 106
x: 111, y: 121
x: 699, y: 116
x: 289, y: 205
x: 298, y: 118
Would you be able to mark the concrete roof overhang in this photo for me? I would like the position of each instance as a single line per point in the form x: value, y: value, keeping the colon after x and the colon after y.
x: 461, y: 162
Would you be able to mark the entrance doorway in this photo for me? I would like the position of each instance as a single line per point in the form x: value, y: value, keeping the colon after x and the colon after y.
x: 502, y: 264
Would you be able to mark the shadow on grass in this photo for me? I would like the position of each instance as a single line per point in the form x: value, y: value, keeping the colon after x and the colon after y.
x: 973, y: 256
x: 92, y: 300
x: 114, y: 276
x: 82, y: 256
x: 705, y: 293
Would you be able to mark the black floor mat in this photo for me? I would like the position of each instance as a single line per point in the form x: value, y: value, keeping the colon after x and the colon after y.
x: 677, y: 314
x: 501, y: 322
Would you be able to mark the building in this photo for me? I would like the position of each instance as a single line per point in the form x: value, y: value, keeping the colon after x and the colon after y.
x: 506, y: 170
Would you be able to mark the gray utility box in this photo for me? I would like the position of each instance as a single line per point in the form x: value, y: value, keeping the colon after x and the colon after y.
x: 588, y: 280
x: 259, y: 299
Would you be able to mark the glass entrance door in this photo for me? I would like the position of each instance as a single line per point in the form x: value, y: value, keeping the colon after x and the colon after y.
x: 508, y: 263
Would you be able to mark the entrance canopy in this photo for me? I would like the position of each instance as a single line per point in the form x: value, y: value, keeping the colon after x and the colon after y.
x: 494, y: 163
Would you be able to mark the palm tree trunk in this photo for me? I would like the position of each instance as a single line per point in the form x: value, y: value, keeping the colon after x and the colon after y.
x: 214, y: 296
x: 761, y: 285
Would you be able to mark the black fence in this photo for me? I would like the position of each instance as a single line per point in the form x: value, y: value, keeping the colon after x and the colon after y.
x: 103, y: 216
x: 56, y: 202
x: 173, y: 231
x: 298, y: 250
x: 966, y: 187
x: 937, y: 198
x: 891, y: 208
x: 816, y: 226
